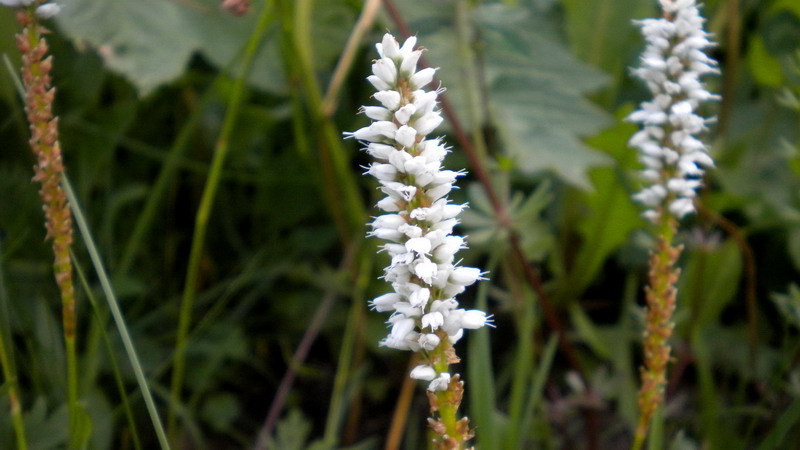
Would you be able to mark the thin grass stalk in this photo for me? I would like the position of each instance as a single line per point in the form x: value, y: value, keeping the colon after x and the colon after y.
x: 397, y: 429
x: 111, y: 355
x: 345, y: 63
x: 9, y: 369
x: 339, y: 177
x: 523, y: 356
x: 116, y: 313
x: 8, y: 364
x: 346, y: 354
x: 39, y: 96
x: 204, y: 212
x: 481, y: 374
x: 469, y: 76
x: 537, y: 383
x: 14, y: 404
x: 351, y: 354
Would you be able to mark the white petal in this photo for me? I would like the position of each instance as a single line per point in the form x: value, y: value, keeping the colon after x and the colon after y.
x: 465, y: 276
x: 423, y: 372
x: 406, y: 136
x: 388, y: 98
x: 441, y: 383
x: 422, y: 78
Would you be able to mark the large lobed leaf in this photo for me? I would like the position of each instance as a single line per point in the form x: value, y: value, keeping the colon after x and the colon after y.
x: 150, y: 42
x: 534, y: 87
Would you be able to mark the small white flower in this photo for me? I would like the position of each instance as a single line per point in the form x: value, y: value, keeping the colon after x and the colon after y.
x: 377, y: 112
x: 441, y: 383
x: 389, y: 99
x: 386, y: 234
x: 425, y: 270
x: 389, y: 204
x: 384, y: 172
x: 422, y: 78
x: 423, y: 372
x: 428, y: 123
x: 428, y: 341
x: 403, y: 115
x: 465, y: 276
x: 419, y: 297
x: 406, y: 136
x: 386, y: 70
x: 385, y: 302
x: 419, y: 245
x: 432, y: 320
x: 473, y: 319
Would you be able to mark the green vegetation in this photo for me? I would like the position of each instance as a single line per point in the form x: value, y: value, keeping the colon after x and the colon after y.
x: 206, y: 154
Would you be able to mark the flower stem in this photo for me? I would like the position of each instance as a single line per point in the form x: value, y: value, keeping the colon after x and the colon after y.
x: 660, y: 293
x: 39, y: 96
x: 451, y: 432
x: 203, y: 214
x: 10, y: 376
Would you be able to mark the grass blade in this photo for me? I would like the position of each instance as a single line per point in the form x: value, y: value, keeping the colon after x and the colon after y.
x: 111, y: 356
x: 8, y: 365
x: 113, y: 305
x: 481, y: 376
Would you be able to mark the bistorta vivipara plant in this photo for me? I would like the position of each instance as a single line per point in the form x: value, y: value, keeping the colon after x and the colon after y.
x: 48, y: 171
x: 672, y: 64
x: 418, y: 227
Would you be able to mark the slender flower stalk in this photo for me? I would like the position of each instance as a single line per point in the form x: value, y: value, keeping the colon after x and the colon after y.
x: 418, y: 227
x: 674, y: 158
x: 39, y: 95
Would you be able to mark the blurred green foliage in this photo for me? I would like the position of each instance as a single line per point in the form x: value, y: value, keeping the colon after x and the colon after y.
x: 543, y: 86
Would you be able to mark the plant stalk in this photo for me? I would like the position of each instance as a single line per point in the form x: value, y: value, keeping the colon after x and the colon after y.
x: 203, y: 214
x: 660, y: 293
x: 39, y: 96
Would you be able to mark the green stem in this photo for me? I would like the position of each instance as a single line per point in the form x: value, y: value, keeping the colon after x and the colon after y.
x: 341, y: 186
x: 470, y: 77
x: 346, y: 355
x: 9, y: 373
x: 8, y: 365
x: 204, y: 212
x: 45, y: 144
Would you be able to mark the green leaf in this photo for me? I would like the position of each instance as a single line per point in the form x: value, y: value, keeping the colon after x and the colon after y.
x: 56, y: 425
x: 710, y: 280
x: 291, y: 433
x: 83, y: 425
x: 150, y: 42
x: 612, y: 216
x: 601, y: 32
x: 765, y: 67
x: 220, y: 410
x: 535, y: 235
x: 535, y: 87
x: 789, y: 305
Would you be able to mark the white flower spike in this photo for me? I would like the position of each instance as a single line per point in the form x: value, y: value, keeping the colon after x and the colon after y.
x: 672, y: 64
x: 419, y: 218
